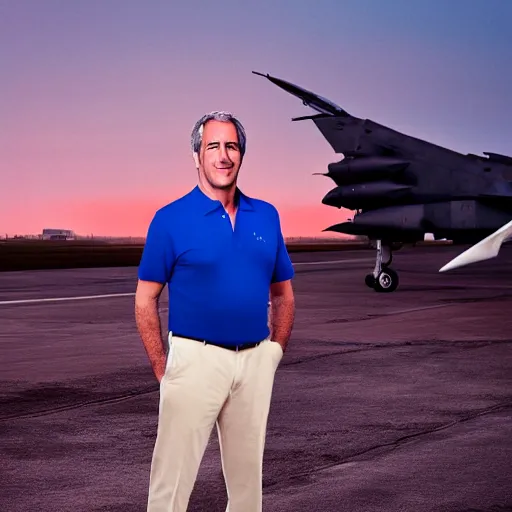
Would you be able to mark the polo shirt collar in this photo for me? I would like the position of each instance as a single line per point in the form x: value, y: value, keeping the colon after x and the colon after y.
x: 208, y: 205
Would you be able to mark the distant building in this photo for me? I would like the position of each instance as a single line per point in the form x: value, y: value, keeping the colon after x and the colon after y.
x: 58, y: 234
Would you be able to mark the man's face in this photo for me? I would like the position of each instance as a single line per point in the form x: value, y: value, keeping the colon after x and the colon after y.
x: 219, y: 157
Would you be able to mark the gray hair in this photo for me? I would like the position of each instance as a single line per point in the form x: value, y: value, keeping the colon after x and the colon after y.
x: 197, y: 132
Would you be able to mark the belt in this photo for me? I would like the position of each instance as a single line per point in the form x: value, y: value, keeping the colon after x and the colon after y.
x: 236, y: 348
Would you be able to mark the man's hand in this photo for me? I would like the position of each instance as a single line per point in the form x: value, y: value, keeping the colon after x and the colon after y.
x: 282, y: 312
x: 148, y: 324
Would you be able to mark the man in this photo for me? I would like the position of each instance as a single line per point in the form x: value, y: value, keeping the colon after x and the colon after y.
x: 221, y: 253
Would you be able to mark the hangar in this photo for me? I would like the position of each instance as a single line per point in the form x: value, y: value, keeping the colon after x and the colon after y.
x: 58, y: 234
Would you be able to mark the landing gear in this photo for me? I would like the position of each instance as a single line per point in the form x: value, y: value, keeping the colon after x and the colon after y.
x: 383, y: 279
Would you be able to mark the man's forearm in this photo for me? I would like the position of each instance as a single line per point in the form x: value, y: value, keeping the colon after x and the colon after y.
x: 282, y: 318
x: 149, y: 327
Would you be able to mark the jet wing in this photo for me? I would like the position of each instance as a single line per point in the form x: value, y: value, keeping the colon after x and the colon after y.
x: 484, y: 250
x: 350, y: 135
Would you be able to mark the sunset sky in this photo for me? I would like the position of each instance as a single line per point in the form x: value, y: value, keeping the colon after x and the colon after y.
x: 98, y: 97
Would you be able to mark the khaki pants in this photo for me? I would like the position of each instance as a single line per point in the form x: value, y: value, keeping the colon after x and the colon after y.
x: 206, y: 385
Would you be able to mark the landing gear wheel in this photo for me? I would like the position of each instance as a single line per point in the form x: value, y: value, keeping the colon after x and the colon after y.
x: 383, y: 278
x: 387, y: 281
x: 369, y: 280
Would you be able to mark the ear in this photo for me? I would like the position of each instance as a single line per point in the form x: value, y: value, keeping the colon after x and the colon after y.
x: 196, y: 159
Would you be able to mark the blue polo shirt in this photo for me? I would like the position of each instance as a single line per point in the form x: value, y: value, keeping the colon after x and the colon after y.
x: 218, y: 277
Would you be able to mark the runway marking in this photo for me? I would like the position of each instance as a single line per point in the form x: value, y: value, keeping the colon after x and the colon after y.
x: 130, y: 294
x: 60, y: 299
x: 359, y: 260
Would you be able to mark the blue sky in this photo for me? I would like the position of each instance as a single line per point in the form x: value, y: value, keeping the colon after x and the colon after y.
x: 98, y: 97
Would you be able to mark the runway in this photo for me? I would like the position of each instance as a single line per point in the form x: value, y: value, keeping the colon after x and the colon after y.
x: 383, y: 402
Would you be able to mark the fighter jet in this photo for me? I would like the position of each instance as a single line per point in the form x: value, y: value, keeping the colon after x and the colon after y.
x: 402, y: 188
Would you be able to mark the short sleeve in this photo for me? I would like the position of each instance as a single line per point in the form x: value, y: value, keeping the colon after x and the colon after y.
x: 158, y: 255
x: 283, y: 268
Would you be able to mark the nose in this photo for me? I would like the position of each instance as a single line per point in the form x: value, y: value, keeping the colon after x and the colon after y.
x: 224, y: 157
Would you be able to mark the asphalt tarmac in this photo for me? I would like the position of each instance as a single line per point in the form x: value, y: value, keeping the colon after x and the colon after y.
x: 383, y: 402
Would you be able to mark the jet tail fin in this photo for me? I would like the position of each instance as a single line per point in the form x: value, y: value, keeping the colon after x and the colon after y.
x: 484, y: 250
